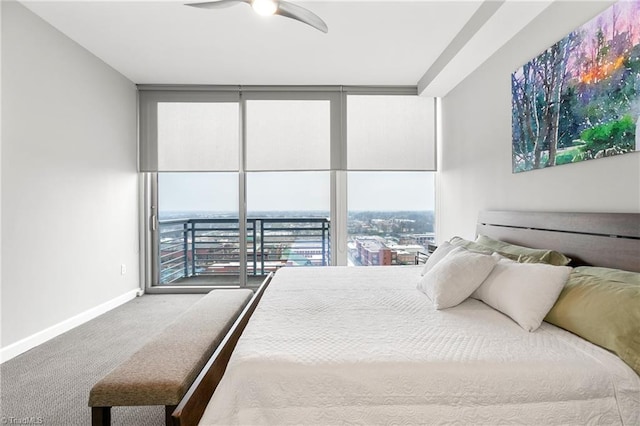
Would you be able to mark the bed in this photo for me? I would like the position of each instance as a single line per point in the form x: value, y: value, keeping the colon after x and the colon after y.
x: 363, y: 345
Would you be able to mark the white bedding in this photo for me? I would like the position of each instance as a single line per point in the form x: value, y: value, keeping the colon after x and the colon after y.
x: 362, y: 345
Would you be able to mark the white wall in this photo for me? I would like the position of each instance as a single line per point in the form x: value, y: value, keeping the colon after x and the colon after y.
x: 69, y: 181
x: 475, y: 147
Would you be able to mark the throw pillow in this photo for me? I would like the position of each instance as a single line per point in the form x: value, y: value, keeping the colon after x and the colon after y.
x: 455, y: 277
x: 523, y: 291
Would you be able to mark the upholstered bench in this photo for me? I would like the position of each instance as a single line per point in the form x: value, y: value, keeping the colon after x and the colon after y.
x: 161, y: 372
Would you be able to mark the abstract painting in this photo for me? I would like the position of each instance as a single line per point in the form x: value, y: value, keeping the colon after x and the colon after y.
x: 580, y: 99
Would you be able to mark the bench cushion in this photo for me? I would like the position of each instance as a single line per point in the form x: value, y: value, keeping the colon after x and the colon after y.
x: 161, y: 372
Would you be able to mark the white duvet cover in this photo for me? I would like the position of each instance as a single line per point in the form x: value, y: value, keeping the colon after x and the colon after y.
x: 362, y: 345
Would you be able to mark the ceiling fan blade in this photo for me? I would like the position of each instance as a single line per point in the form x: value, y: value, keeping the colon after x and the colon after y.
x: 301, y: 14
x: 219, y: 4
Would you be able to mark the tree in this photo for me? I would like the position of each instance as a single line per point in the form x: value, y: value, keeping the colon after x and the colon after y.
x: 551, y: 72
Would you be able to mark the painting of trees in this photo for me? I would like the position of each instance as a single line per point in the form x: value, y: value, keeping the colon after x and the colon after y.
x: 580, y: 99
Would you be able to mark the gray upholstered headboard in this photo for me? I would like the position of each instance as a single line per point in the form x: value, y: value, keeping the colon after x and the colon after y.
x: 601, y: 239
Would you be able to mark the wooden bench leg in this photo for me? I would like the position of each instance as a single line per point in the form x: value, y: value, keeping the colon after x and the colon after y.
x: 168, y: 410
x: 100, y: 416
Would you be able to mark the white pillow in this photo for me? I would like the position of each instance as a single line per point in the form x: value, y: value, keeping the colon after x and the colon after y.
x: 435, y: 257
x: 525, y: 292
x: 455, y: 277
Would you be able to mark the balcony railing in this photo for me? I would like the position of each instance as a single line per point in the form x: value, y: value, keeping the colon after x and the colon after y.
x: 201, y: 247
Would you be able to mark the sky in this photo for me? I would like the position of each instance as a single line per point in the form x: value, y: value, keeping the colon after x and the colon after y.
x: 295, y: 191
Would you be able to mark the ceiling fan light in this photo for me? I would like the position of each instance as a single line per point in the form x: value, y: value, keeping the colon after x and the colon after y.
x: 264, y: 7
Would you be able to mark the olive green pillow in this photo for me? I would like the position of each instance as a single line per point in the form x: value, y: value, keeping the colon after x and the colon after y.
x: 470, y: 245
x: 610, y: 274
x: 479, y: 248
x: 602, y: 306
x: 551, y: 257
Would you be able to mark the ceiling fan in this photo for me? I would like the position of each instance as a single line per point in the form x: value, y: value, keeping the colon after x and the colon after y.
x: 271, y: 7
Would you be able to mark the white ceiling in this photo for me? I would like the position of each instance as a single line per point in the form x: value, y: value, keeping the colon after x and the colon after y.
x: 368, y: 43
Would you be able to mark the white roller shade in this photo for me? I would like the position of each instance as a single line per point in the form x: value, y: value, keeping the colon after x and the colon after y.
x: 390, y: 133
x: 288, y: 135
x: 198, y: 136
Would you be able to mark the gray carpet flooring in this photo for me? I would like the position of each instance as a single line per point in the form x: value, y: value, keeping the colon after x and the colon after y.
x: 49, y: 385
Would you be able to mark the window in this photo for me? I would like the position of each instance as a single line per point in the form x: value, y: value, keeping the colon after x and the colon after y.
x: 390, y: 217
x: 309, y: 173
x: 198, y: 233
x: 390, y: 133
x: 288, y: 134
x: 289, y: 213
x: 390, y: 152
x: 189, y: 131
x: 198, y: 136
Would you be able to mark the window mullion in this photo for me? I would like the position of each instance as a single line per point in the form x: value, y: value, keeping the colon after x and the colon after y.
x: 339, y: 181
x: 242, y: 198
x: 339, y: 218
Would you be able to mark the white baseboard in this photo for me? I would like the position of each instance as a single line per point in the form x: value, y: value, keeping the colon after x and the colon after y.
x: 40, y: 337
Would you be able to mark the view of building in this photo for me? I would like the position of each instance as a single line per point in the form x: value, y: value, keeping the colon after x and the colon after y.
x: 373, y: 250
x: 197, y: 244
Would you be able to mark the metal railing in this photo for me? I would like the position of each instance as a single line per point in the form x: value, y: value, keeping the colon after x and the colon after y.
x: 197, y: 247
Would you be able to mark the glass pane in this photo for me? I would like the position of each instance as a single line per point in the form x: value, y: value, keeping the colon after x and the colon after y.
x: 390, y: 216
x: 390, y: 133
x: 288, y: 135
x: 199, y: 240
x: 288, y: 219
x: 198, y: 136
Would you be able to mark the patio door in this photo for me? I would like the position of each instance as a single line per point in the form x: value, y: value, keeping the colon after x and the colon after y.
x: 190, y: 145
